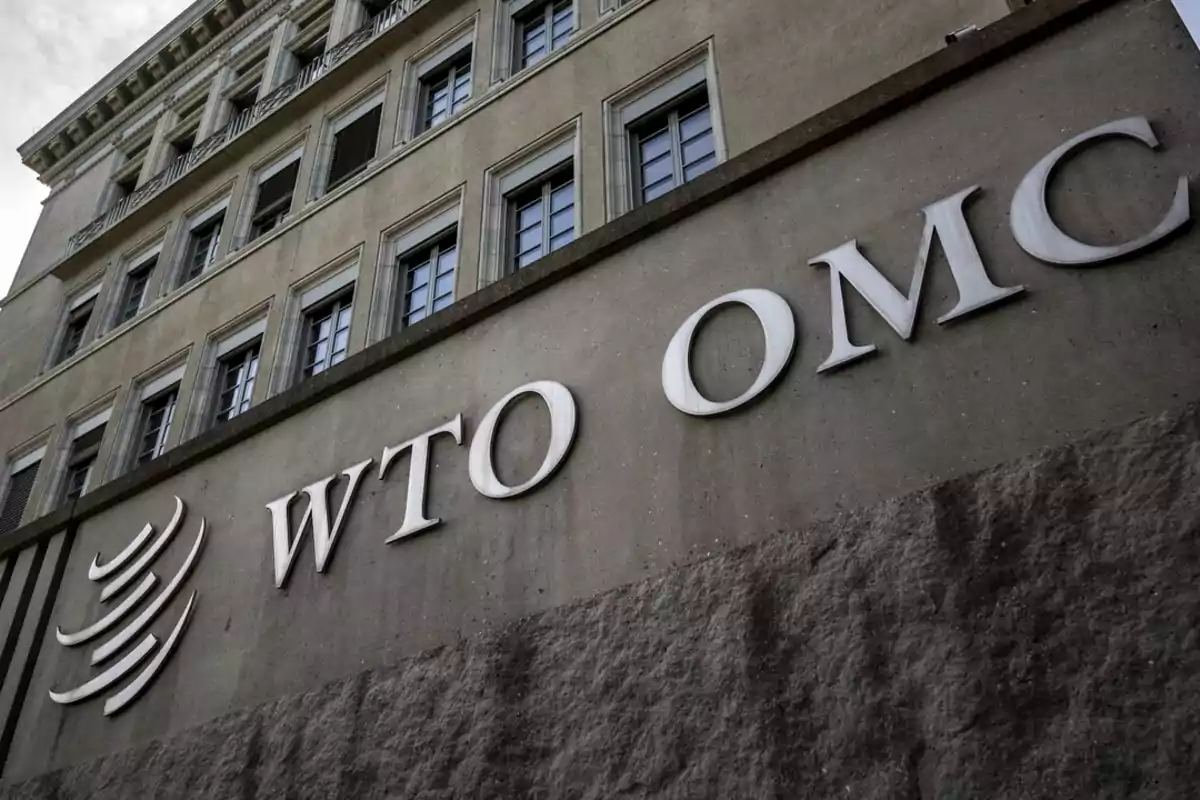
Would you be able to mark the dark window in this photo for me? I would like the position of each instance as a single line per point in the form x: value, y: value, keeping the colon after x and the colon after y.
x: 245, y: 99
x: 672, y: 147
x: 428, y: 278
x: 541, y: 218
x: 354, y: 147
x: 77, y: 322
x: 445, y: 92
x: 542, y: 29
x: 125, y: 186
x: 236, y: 374
x: 183, y: 144
x: 154, y: 425
x: 80, y: 462
x: 375, y: 7
x: 309, y: 54
x: 274, y: 200
x: 201, y: 249
x: 20, y: 485
x: 134, y: 293
x: 326, y: 334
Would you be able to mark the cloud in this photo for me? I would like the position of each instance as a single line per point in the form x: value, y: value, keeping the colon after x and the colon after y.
x: 55, y: 50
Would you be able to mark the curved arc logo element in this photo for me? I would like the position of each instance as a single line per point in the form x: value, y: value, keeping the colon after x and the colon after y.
x: 149, y: 650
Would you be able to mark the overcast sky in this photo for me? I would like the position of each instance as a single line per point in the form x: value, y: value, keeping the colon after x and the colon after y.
x: 54, y: 50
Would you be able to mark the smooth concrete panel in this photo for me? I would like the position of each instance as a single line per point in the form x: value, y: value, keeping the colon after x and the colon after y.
x: 645, y: 487
x: 27, y: 643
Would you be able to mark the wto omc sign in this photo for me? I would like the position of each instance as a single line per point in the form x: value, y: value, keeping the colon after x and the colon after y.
x: 1031, y: 225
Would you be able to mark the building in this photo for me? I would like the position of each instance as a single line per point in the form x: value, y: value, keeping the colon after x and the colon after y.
x: 454, y: 398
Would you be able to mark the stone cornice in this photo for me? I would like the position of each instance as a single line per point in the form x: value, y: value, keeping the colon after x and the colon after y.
x: 111, y: 127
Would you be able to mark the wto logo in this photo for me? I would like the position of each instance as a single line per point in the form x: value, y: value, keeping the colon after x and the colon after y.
x: 147, y: 647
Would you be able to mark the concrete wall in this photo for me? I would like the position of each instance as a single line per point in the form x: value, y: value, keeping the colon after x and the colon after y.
x: 65, y: 212
x: 871, y: 40
x: 646, y: 488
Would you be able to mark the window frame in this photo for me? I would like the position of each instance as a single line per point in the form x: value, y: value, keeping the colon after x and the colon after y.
x: 450, y: 75
x: 368, y: 102
x: 310, y: 292
x: 653, y: 94
x: 273, y: 166
x: 248, y: 355
x: 169, y: 377
x: 543, y: 12
x: 338, y: 303
x: 27, y: 458
x: 214, y: 212
x: 673, y: 117
x: 520, y: 170
x: 429, y: 251
x: 91, y: 455
x: 454, y: 45
x: 542, y: 190
x: 87, y: 298
x: 170, y: 394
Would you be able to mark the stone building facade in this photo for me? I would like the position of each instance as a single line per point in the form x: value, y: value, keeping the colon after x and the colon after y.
x: 587, y: 398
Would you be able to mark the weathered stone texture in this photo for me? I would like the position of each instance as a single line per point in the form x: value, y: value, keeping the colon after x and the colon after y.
x: 1029, y: 631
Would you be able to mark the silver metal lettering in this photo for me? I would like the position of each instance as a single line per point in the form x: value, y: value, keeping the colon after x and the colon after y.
x: 316, y: 516
x: 779, y: 330
x: 563, y: 419
x: 1039, y: 235
x: 944, y: 219
x: 418, y: 476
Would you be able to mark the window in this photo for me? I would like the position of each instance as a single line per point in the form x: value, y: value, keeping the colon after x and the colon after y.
x: 541, y: 218
x: 247, y: 81
x: 312, y: 38
x: 662, y: 131
x: 200, y: 249
x: 80, y: 463
x: 326, y: 334
x: 236, y: 374
x: 274, y: 198
x: 428, y: 278
x: 310, y: 53
x: 353, y: 144
x: 154, y: 425
x: 375, y: 7
x: 445, y: 92
x: 20, y: 486
x: 125, y: 179
x: 542, y: 29
x: 79, y: 314
x: 184, y: 142
x: 133, y: 295
x: 529, y: 204
x: 673, y: 147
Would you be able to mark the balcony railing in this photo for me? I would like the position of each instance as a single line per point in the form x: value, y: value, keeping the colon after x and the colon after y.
x: 243, y: 122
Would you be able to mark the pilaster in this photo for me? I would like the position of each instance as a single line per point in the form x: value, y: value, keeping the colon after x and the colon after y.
x: 348, y: 16
x: 159, y: 151
x: 216, y: 110
x: 278, y: 68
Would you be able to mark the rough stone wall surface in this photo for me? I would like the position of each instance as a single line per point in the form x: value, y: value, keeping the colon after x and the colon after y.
x: 1027, y: 631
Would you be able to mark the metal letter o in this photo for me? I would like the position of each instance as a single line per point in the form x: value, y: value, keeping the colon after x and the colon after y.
x: 563, y: 420
x: 779, y: 330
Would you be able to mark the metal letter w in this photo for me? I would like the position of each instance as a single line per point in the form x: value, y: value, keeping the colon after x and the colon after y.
x: 315, y: 516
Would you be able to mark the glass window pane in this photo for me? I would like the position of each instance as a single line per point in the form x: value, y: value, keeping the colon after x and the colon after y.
x: 562, y: 221
x: 447, y: 261
x: 529, y: 239
x: 415, y: 316
x: 529, y: 215
x: 443, y: 302
x: 699, y: 148
x: 444, y: 284
x: 525, y: 259
x: 655, y: 144
x: 700, y: 167
x: 562, y: 240
x: 656, y: 190
x: 695, y: 124
x: 419, y: 276
x: 562, y: 197
x: 417, y: 299
x: 657, y: 170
